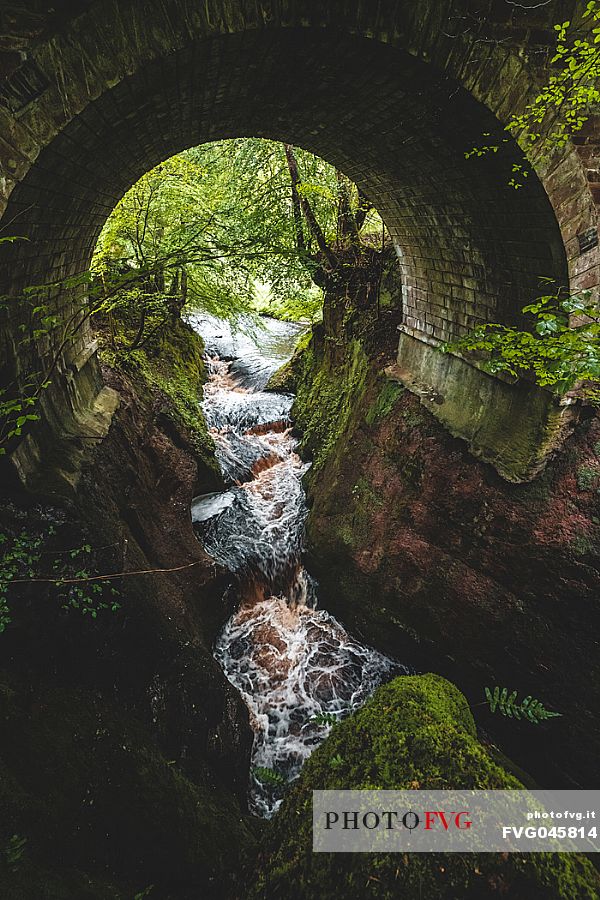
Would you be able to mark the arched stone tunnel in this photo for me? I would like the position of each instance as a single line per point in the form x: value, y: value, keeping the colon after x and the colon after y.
x: 99, y: 92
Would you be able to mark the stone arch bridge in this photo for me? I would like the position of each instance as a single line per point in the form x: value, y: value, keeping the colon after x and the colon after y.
x: 96, y: 92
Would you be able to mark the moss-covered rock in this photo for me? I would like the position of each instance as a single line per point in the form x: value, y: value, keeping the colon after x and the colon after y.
x: 327, y: 396
x: 171, y: 368
x: 285, y: 379
x: 415, y: 732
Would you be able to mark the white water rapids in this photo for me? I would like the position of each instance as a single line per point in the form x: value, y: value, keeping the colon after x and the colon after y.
x: 290, y: 661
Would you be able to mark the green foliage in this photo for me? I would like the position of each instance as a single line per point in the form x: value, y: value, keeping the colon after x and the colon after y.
x: 12, y: 238
x: 214, y: 228
x: 19, y: 557
x: 336, y: 761
x: 572, y: 89
x: 268, y: 776
x: 14, y: 851
x: 222, y: 213
x: 584, y: 545
x: 563, y: 104
x: 77, y: 587
x: 562, y: 348
x: 326, y: 718
x: 530, y: 709
x: 588, y: 478
x: 15, y: 412
x: 70, y: 575
x: 144, y: 893
x: 211, y: 228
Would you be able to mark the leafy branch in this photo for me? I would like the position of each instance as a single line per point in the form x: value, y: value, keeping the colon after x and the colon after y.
x: 563, y: 104
x: 73, y: 583
x: 571, y: 90
x: 14, y: 851
x: 561, y: 349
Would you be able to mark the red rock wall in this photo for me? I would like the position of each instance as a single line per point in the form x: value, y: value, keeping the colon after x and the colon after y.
x: 430, y: 555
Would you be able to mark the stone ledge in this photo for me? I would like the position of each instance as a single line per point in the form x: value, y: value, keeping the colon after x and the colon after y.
x: 515, y: 427
x: 76, y: 359
x: 57, y: 472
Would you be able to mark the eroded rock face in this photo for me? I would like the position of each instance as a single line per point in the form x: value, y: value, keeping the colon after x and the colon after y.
x: 128, y: 751
x: 104, y: 812
x: 415, y: 732
x: 430, y: 555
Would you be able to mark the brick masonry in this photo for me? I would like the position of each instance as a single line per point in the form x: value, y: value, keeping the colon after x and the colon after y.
x: 393, y: 93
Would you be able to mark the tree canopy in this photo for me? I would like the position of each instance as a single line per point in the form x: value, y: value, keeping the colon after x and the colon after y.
x: 217, y: 228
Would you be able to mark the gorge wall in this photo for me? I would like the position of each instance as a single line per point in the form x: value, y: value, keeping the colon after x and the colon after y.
x: 125, y: 753
x: 428, y: 554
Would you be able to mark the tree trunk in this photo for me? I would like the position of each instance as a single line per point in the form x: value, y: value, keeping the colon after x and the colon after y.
x: 184, y: 287
x: 313, y: 226
x: 349, y: 272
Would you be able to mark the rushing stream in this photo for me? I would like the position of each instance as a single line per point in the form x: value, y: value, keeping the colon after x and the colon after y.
x: 291, y: 661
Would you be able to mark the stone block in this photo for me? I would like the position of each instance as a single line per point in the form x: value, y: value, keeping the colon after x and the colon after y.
x: 513, y: 426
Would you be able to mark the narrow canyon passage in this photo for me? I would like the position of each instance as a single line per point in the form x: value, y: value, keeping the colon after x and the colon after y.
x: 296, y: 666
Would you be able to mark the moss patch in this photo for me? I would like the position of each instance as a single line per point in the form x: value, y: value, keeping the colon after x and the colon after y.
x: 171, y: 367
x: 588, y: 478
x: 385, y: 402
x: 416, y: 732
x: 285, y: 379
x: 327, y: 398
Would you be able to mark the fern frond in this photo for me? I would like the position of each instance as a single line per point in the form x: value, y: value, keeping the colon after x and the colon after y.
x: 531, y: 709
x: 325, y: 719
x: 268, y: 776
x: 492, y: 698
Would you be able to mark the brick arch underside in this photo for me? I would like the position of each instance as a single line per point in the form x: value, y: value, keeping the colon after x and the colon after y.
x: 470, y: 247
